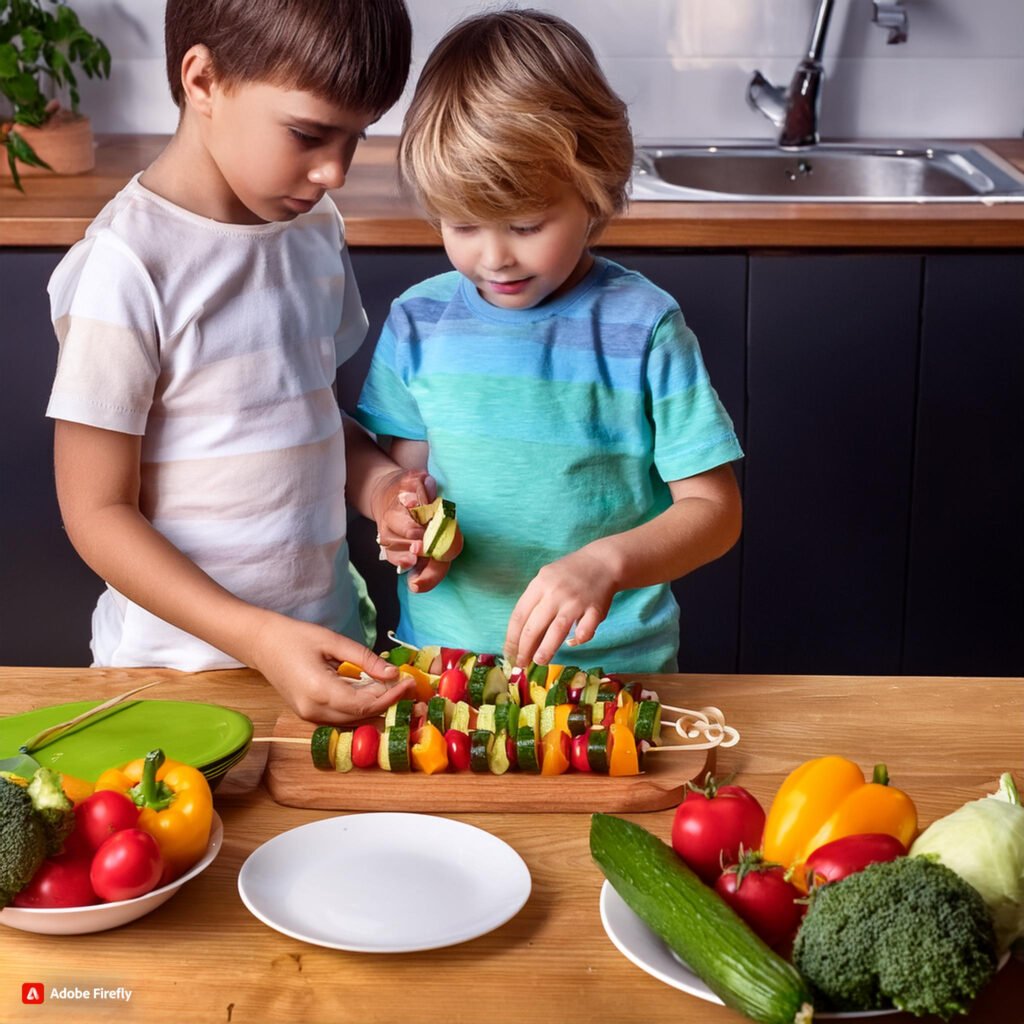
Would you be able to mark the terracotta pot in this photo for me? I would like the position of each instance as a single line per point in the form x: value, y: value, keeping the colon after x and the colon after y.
x: 65, y: 142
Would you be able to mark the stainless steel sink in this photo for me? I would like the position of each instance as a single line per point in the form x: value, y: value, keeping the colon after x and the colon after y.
x: 832, y: 172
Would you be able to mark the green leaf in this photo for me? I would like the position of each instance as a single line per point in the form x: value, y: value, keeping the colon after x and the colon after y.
x: 23, y: 151
x: 8, y: 60
x: 24, y: 90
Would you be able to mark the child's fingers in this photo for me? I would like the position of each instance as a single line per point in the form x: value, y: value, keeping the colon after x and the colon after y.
x: 428, y: 577
x: 341, y: 648
x: 586, y: 627
x: 554, y: 637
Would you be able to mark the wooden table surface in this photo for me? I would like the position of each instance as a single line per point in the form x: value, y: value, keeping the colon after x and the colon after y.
x: 55, y: 211
x: 203, y: 957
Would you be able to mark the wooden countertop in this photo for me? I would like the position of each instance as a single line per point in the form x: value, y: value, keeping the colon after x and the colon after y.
x: 56, y: 211
x: 203, y: 957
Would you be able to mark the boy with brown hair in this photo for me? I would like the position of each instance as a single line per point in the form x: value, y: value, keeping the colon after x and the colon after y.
x: 200, y: 452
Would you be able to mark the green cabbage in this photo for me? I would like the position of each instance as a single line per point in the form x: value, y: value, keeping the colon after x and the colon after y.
x: 983, y: 842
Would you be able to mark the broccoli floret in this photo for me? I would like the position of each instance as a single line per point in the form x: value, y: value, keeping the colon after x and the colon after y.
x: 53, y: 807
x: 22, y: 840
x: 909, y: 933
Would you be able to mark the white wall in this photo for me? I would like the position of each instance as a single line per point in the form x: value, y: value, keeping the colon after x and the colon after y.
x: 683, y: 65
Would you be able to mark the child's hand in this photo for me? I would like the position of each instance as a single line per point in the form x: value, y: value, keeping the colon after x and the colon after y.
x: 299, y: 658
x: 399, y: 535
x: 577, y: 589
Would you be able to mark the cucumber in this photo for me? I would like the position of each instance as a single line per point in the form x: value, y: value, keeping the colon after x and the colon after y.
x: 485, y: 718
x: 479, y: 744
x: 589, y: 693
x: 526, y: 750
x: 343, y: 753
x: 399, y: 713
x: 697, y: 924
x: 322, y: 745
x: 647, y: 722
x: 606, y: 692
x: 440, y: 531
x: 396, y: 739
x: 435, y: 712
x: 506, y: 717
x: 477, y: 684
x: 579, y: 720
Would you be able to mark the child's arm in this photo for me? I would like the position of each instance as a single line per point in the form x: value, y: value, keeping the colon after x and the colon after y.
x: 702, y: 523
x: 400, y: 535
x: 98, y: 490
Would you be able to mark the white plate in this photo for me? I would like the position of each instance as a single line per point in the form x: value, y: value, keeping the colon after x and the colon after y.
x: 637, y: 943
x: 384, y: 883
x: 102, y: 916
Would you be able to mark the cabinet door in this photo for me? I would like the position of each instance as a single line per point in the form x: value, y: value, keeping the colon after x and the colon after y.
x: 711, y: 290
x: 831, y: 380
x: 48, y: 591
x: 965, y: 602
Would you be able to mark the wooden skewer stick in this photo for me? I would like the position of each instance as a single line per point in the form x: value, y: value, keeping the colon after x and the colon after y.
x: 282, y: 739
x: 47, y: 733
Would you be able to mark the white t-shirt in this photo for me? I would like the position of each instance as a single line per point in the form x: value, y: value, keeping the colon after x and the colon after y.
x: 218, y: 344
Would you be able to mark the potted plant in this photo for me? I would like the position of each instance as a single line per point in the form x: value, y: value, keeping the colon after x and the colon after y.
x: 40, y: 38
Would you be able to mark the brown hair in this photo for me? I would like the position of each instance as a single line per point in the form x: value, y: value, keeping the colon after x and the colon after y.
x: 354, y: 53
x: 507, y: 102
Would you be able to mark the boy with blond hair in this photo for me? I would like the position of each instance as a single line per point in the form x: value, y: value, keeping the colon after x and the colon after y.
x: 201, y: 459
x: 557, y: 397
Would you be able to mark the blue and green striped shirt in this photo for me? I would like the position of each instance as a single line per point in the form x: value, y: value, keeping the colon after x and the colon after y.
x: 549, y: 427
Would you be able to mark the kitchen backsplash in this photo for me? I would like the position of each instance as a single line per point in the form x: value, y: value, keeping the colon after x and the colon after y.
x: 683, y: 65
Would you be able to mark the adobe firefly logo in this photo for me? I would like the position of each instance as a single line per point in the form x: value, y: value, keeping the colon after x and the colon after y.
x: 32, y: 992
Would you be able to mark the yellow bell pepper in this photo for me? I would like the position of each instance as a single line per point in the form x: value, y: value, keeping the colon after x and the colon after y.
x: 430, y: 751
x: 176, y: 807
x: 827, y: 798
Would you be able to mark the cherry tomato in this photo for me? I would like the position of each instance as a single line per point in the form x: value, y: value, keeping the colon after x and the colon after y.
x: 61, y: 881
x: 101, y: 815
x: 453, y: 684
x: 578, y: 754
x: 846, y: 856
x: 365, y: 744
x: 458, y: 749
x: 764, y: 899
x: 128, y: 864
x: 712, y: 824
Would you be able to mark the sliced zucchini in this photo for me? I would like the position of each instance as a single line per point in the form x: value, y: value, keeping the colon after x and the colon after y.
x: 478, y: 683
x: 436, y: 712
x: 479, y: 744
x: 497, y: 754
x: 322, y: 745
x: 589, y: 693
x: 399, y: 713
x: 506, y: 717
x: 495, y: 686
x: 547, y: 720
x: 425, y: 658
x: 579, y: 720
x: 397, y: 742
x: 526, y: 750
x: 343, y: 753
x: 485, y: 718
x: 383, y: 751
x: 529, y: 717
x: 647, y: 722
x: 598, y: 749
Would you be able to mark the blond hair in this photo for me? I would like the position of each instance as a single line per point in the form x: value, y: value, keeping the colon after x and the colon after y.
x: 508, y: 104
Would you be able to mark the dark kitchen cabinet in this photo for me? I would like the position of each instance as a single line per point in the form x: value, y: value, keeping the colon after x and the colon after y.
x: 965, y: 585
x: 877, y: 397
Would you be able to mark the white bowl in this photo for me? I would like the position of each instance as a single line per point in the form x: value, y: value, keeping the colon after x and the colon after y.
x: 101, y: 916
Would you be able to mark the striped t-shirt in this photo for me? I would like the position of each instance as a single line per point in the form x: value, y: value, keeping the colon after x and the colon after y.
x: 548, y: 427
x: 218, y: 344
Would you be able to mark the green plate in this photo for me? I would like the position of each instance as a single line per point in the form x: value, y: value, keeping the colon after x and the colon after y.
x: 203, y: 735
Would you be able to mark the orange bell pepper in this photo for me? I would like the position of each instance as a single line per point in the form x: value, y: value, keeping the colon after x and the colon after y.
x: 349, y: 671
x: 554, y: 671
x: 562, y: 712
x: 75, y: 789
x: 624, y: 759
x: 176, y: 807
x: 429, y: 751
x: 556, y: 753
x: 827, y: 798
x: 625, y: 710
x: 426, y: 684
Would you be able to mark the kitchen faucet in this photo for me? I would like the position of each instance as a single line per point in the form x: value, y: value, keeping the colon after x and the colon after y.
x: 795, y: 111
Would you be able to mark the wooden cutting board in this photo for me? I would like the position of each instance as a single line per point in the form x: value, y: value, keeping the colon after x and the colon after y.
x: 291, y: 779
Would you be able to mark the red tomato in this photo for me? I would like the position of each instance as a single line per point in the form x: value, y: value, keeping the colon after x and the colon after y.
x: 578, y: 754
x: 458, y: 749
x: 453, y: 684
x: 846, y: 856
x: 712, y: 824
x: 61, y: 881
x: 764, y: 899
x: 127, y: 865
x: 365, y: 744
x: 102, y: 814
